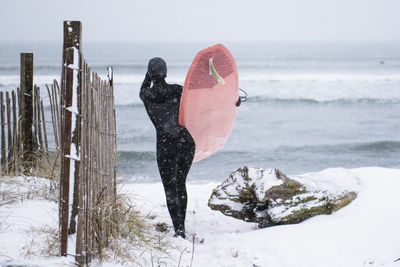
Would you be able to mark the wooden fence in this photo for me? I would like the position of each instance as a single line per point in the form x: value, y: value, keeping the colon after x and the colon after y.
x: 84, y: 128
x: 24, y: 131
x: 88, y: 150
x: 10, y: 150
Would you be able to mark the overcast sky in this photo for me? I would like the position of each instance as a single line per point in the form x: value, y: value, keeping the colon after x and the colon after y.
x: 203, y: 20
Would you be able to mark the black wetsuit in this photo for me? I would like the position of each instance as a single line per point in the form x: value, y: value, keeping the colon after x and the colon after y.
x: 175, y: 145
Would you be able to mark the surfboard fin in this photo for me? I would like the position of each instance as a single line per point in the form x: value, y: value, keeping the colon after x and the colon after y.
x: 214, y: 72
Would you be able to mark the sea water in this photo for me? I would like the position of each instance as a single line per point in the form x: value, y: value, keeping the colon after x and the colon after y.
x: 311, y: 106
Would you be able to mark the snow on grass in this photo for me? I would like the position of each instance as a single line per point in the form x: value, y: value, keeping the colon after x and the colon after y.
x: 28, y: 222
x: 364, y: 233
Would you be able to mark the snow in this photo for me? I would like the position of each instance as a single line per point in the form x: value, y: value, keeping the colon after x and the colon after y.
x: 76, y: 70
x: 110, y: 74
x: 364, y: 233
x: 329, y: 184
x: 333, y: 181
x: 263, y: 180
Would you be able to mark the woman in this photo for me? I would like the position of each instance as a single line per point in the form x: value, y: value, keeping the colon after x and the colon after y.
x: 175, y: 145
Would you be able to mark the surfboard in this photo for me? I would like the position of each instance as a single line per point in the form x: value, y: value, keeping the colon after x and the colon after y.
x: 209, y: 97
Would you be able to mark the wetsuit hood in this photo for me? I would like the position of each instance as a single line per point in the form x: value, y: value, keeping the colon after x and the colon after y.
x: 157, y: 68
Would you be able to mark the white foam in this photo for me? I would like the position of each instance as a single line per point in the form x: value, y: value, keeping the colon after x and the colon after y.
x: 318, y: 77
x: 314, y: 86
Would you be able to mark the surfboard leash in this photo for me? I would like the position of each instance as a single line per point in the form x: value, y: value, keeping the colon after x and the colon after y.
x: 241, y: 99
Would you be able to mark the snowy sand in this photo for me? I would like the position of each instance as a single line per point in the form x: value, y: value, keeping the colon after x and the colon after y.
x: 365, y: 233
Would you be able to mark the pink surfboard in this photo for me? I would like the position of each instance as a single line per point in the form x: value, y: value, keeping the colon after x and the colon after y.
x: 209, y: 97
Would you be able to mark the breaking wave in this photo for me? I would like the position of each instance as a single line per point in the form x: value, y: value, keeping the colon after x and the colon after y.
x: 378, y: 101
x: 136, y: 155
x: 367, y: 147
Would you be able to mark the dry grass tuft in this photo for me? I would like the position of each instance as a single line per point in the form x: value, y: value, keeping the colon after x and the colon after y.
x: 43, y: 241
x: 45, y: 165
x: 135, y: 241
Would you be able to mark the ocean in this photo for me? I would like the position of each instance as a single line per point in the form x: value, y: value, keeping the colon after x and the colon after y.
x: 311, y: 106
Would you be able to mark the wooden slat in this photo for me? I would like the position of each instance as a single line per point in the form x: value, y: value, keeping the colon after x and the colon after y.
x: 44, y: 127
x: 56, y: 97
x: 49, y: 93
x: 79, y: 190
x: 15, y: 133
x: 19, y: 123
x: 3, y: 137
x: 9, y: 134
x: 38, y: 120
x: 35, y: 127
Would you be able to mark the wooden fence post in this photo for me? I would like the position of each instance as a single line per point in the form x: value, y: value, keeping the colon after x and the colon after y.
x: 27, y: 119
x: 87, y: 116
x: 65, y: 152
x: 72, y: 41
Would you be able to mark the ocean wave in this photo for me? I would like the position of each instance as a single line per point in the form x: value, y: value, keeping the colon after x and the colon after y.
x: 57, y: 67
x: 125, y: 156
x: 377, y: 101
x: 39, y: 68
x: 256, y: 76
x: 14, y: 80
x: 9, y: 68
x: 135, y: 102
x: 139, y: 103
x: 319, y: 77
x: 359, y: 148
x: 135, y: 77
x: 379, y: 146
x: 375, y: 147
x: 136, y: 155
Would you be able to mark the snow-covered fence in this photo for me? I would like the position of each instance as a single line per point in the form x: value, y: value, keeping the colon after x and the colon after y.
x: 88, y: 153
x: 98, y: 165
